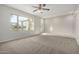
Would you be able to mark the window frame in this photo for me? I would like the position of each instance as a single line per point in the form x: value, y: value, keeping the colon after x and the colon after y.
x: 29, y: 26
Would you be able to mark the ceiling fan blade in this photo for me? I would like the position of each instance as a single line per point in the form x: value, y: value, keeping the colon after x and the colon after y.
x: 35, y: 10
x: 45, y: 9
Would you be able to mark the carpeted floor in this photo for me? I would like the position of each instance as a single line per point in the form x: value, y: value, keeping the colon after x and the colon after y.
x: 41, y: 45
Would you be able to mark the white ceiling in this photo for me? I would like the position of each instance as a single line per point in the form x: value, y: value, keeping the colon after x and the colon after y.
x: 55, y: 9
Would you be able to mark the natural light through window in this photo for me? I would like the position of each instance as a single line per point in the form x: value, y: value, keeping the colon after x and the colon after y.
x: 20, y: 23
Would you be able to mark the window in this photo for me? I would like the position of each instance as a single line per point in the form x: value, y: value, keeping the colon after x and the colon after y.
x: 20, y: 23
x: 31, y: 25
x: 23, y: 23
x: 13, y: 21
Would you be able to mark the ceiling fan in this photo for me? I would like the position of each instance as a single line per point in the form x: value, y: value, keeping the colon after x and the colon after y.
x: 41, y: 8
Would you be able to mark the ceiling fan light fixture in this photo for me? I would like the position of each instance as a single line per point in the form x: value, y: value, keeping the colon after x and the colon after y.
x: 40, y: 11
x: 40, y: 8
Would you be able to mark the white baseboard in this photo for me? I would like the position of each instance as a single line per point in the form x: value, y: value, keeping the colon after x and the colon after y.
x: 64, y: 35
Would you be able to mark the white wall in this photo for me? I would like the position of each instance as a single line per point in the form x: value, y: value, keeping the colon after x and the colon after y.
x: 77, y: 25
x: 77, y: 29
x: 5, y: 33
x: 61, y: 25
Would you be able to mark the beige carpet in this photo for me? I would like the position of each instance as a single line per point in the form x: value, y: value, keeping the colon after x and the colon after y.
x: 41, y: 45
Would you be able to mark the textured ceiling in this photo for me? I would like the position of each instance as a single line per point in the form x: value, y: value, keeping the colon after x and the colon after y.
x: 55, y: 9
